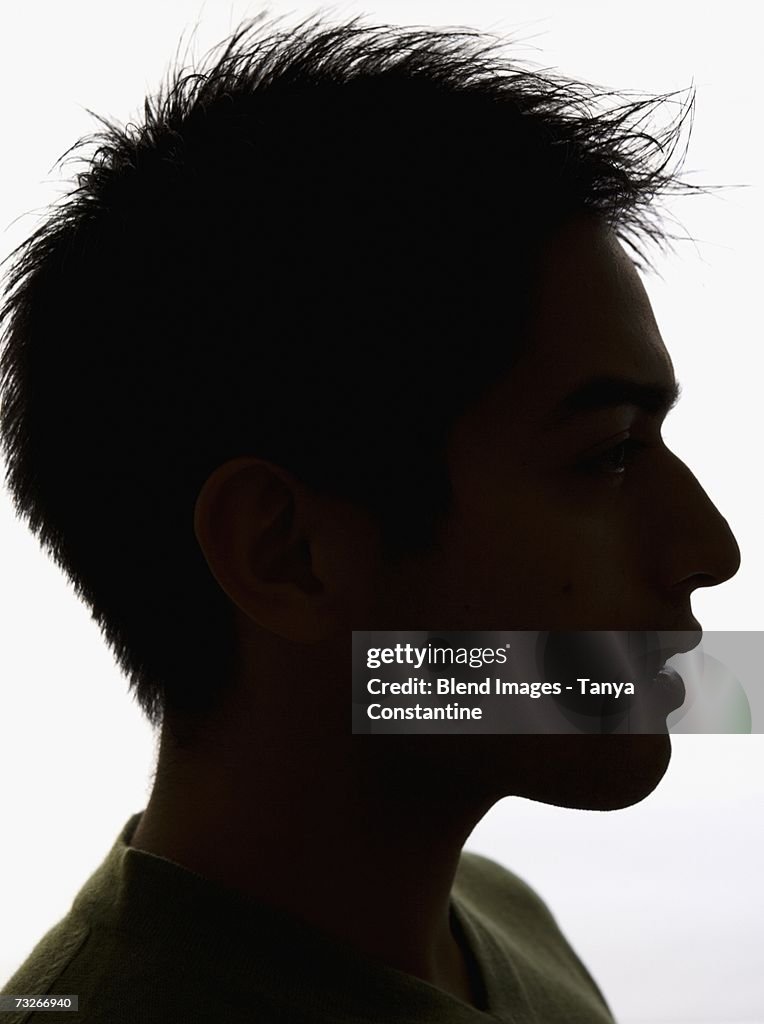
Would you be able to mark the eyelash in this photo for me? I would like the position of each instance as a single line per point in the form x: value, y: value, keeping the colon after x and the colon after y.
x: 628, y: 448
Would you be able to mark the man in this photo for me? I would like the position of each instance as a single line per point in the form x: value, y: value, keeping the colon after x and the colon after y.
x: 343, y: 337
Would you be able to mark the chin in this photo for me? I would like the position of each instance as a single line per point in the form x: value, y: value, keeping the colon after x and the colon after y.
x: 597, y: 773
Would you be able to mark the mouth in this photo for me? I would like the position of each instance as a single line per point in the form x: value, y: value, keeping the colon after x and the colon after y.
x: 665, y: 685
x: 669, y: 686
x: 669, y: 644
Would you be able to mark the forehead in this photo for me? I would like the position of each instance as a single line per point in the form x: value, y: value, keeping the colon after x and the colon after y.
x: 592, y: 311
x: 591, y: 318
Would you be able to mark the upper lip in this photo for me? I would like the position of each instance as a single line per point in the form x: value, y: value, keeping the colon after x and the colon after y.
x: 670, y: 643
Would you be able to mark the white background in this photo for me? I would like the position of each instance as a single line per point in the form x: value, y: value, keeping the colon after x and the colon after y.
x: 663, y: 901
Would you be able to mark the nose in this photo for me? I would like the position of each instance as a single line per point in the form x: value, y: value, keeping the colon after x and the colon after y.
x: 702, y: 551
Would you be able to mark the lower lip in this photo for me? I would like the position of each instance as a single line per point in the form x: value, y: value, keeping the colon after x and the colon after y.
x: 671, y: 686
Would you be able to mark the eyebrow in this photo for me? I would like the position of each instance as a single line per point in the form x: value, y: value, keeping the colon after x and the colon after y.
x: 599, y: 393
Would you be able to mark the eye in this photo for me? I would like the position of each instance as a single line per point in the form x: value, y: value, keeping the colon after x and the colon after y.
x: 614, y: 460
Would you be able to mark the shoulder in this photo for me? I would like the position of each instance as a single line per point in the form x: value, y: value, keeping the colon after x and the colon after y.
x: 508, y: 905
x: 523, y: 926
x: 45, y: 967
x: 485, y: 882
x: 117, y: 982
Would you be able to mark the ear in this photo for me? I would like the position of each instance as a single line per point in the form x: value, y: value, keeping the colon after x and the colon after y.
x: 254, y: 523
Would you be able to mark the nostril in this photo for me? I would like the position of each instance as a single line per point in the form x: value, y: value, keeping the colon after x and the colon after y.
x: 696, y: 580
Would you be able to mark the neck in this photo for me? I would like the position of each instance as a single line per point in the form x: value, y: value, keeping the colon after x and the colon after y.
x: 347, y: 833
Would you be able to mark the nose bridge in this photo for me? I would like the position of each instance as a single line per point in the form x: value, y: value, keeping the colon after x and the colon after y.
x: 701, y: 542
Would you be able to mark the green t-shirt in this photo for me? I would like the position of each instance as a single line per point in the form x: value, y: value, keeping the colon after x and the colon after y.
x: 147, y: 941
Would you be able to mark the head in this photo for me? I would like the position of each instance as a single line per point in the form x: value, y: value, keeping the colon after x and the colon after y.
x: 296, y: 354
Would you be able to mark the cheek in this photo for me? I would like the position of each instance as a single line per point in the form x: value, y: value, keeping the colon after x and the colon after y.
x: 510, y: 564
x: 557, y: 572
x: 534, y: 551
x: 518, y: 576
x: 601, y: 578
